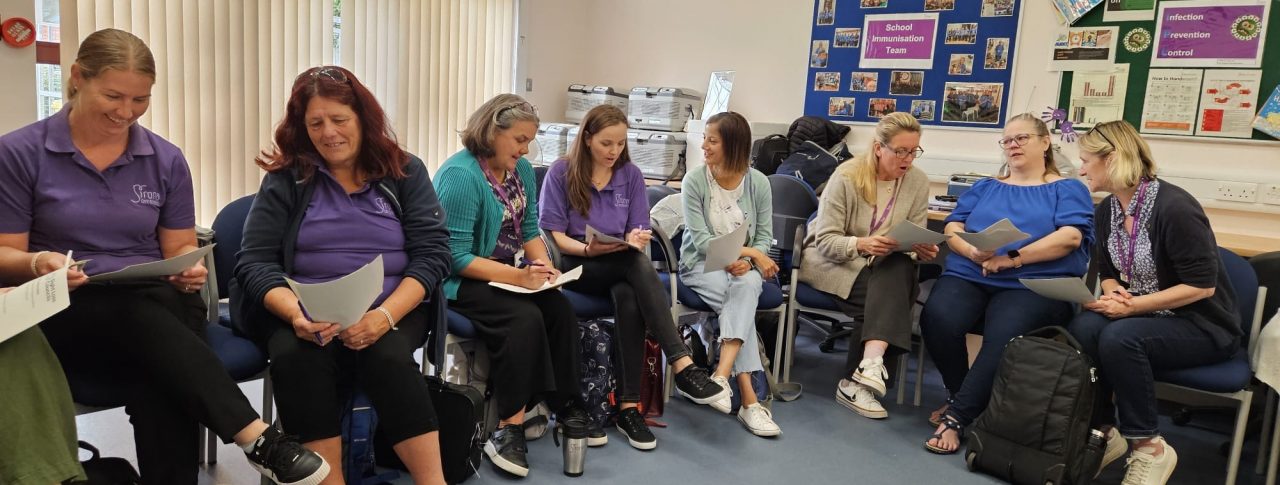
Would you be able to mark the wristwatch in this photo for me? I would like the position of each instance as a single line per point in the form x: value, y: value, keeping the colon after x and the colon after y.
x: 1016, y: 257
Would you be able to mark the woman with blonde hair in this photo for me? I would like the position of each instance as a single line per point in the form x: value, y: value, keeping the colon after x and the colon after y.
x: 849, y: 254
x: 979, y: 291
x: 1162, y: 305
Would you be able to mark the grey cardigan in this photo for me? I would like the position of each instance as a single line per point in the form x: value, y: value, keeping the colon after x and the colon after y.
x: 831, y: 261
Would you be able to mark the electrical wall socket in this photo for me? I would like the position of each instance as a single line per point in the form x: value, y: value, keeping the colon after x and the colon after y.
x: 1269, y: 194
x: 1237, y: 191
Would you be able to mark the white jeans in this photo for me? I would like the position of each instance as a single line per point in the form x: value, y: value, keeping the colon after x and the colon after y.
x: 734, y: 299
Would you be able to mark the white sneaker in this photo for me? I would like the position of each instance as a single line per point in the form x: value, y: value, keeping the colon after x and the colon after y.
x: 1117, y: 446
x: 1147, y: 469
x: 871, y: 373
x: 725, y: 403
x: 859, y: 399
x: 758, y: 420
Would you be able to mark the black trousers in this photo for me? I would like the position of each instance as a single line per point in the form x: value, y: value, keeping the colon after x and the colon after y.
x: 147, y: 338
x: 532, y: 341
x: 639, y: 302
x: 313, y: 384
x: 881, y: 301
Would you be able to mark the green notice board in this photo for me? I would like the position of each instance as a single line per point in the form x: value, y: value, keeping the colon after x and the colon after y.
x: 1140, y: 64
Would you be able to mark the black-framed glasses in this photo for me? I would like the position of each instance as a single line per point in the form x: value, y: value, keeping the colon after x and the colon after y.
x: 903, y: 153
x: 333, y: 73
x: 1100, y: 133
x: 1016, y: 140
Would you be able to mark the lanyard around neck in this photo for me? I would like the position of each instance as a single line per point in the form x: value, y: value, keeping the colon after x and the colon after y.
x: 888, y: 209
x: 502, y: 196
x: 1128, y: 262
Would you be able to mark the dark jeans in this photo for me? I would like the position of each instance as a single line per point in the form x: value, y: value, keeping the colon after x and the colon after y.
x: 313, y: 383
x: 532, y: 341
x: 891, y: 285
x: 956, y: 307
x: 1128, y: 351
x: 639, y: 303
x: 147, y: 337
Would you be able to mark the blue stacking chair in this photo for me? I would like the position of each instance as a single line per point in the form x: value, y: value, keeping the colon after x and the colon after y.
x: 1232, y: 379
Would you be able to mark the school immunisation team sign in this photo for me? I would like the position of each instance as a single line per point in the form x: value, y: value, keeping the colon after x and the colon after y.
x: 899, y: 41
x: 1213, y: 33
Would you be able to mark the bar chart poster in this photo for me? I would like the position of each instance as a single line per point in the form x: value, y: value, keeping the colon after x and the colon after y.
x: 1098, y: 96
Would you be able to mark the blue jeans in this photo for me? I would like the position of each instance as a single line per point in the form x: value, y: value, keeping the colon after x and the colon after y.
x: 956, y: 307
x: 734, y: 299
x: 1128, y: 351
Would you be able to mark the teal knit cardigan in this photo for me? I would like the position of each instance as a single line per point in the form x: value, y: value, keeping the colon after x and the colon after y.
x: 474, y: 214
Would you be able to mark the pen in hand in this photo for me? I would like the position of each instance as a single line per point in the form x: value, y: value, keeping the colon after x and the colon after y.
x: 319, y: 341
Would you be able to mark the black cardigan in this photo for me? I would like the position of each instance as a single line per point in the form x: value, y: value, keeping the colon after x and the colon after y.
x: 271, y: 236
x: 1184, y: 252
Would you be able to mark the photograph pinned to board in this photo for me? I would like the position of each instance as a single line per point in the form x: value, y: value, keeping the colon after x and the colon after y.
x: 719, y: 88
x: 1169, y: 107
x: 841, y: 107
x: 819, y: 54
x: 875, y: 3
x: 972, y: 102
x: 1084, y: 48
x: 961, y: 65
x: 1098, y: 96
x: 1069, y: 11
x: 997, y: 8
x: 1268, y: 119
x: 881, y: 107
x: 826, y: 81
x: 898, y: 41
x: 936, y: 5
x: 923, y: 110
x: 826, y: 12
x: 1210, y: 33
x: 864, y: 82
x: 962, y: 33
x: 906, y: 83
x: 1129, y: 10
x: 1228, y: 101
x: 845, y: 38
x: 997, y: 53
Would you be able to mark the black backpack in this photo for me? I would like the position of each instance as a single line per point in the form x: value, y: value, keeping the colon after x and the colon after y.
x: 460, y: 410
x: 1036, y: 428
x: 106, y: 471
x: 814, y: 164
x: 768, y: 152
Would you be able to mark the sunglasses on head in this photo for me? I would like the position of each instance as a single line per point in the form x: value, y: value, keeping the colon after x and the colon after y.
x: 333, y: 73
x: 522, y: 106
x: 1100, y: 133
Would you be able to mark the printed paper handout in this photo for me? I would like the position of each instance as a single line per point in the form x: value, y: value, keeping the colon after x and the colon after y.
x: 344, y: 300
x: 27, y: 305
x: 724, y: 250
x: 1064, y: 289
x: 594, y: 235
x: 909, y: 233
x: 166, y: 267
x: 994, y: 237
x: 564, y: 279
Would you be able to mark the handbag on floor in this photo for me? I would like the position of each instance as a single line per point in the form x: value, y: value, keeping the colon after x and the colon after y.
x: 461, y: 413
x: 651, y: 382
x: 1036, y: 428
x: 106, y: 471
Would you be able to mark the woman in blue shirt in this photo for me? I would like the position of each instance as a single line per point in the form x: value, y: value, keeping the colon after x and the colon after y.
x: 980, y: 291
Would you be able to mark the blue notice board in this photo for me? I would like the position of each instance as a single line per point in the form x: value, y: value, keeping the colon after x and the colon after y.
x: 868, y: 58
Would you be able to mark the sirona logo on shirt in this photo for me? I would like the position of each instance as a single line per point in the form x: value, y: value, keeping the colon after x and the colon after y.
x: 621, y: 200
x: 383, y: 207
x: 145, y: 197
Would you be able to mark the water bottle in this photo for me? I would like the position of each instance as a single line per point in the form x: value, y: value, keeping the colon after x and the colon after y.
x: 575, y: 446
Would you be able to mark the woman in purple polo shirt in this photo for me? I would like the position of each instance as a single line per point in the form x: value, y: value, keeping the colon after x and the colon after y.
x: 598, y: 186
x: 340, y: 192
x: 90, y: 179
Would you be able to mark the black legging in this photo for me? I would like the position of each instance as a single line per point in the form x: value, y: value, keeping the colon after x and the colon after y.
x: 148, y: 337
x: 639, y: 302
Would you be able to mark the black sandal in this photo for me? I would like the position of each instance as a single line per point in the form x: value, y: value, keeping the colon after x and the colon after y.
x: 950, y: 424
x: 935, y: 417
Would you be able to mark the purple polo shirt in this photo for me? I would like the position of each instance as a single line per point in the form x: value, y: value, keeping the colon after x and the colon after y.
x: 341, y: 232
x: 49, y: 190
x: 618, y: 208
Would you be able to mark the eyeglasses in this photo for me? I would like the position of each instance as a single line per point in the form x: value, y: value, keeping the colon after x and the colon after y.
x: 333, y: 73
x: 522, y: 106
x: 904, y: 153
x: 1100, y: 133
x: 1016, y: 140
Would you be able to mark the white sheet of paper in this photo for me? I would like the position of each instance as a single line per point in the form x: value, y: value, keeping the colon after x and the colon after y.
x: 25, y: 306
x: 564, y: 279
x: 1065, y: 289
x: 344, y: 300
x: 992, y: 238
x: 909, y: 233
x: 171, y: 266
x: 724, y: 250
x: 594, y: 235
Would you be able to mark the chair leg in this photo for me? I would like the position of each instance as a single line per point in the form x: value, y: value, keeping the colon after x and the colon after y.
x: 1272, y: 462
x: 902, y: 378
x: 668, y: 384
x: 919, y: 374
x: 267, y: 395
x: 202, y: 450
x: 1237, y: 438
x: 791, y: 347
x: 779, y: 342
x: 1268, y: 417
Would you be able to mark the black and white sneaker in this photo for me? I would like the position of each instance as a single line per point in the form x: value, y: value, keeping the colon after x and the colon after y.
x: 632, y: 425
x: 508, y: 451
x: 595, y: 435
x: 695, y: 383
x: 282, y: 459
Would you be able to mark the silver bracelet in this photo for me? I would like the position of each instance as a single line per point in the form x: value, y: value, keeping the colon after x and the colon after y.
x: 34, y: 259
x: 390, y: 321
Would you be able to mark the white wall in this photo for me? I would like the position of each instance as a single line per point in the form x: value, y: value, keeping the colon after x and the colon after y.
x: 678, y: 43
x: 18, y: 77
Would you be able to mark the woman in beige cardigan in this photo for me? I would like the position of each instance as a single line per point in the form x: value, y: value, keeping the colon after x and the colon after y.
x: 849, y: 254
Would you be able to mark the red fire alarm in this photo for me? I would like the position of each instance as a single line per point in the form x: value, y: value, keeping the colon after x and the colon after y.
x: 18, y: 32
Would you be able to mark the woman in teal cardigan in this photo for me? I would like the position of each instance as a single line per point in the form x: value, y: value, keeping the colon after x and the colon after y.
x: 489, y: 195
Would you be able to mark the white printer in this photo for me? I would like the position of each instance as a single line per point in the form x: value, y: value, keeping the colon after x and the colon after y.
x: 583, y: 97
x: 663, y: 109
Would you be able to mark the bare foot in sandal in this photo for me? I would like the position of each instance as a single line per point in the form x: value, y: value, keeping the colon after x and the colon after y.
x: 935, y: 418
x: 946, y: 439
